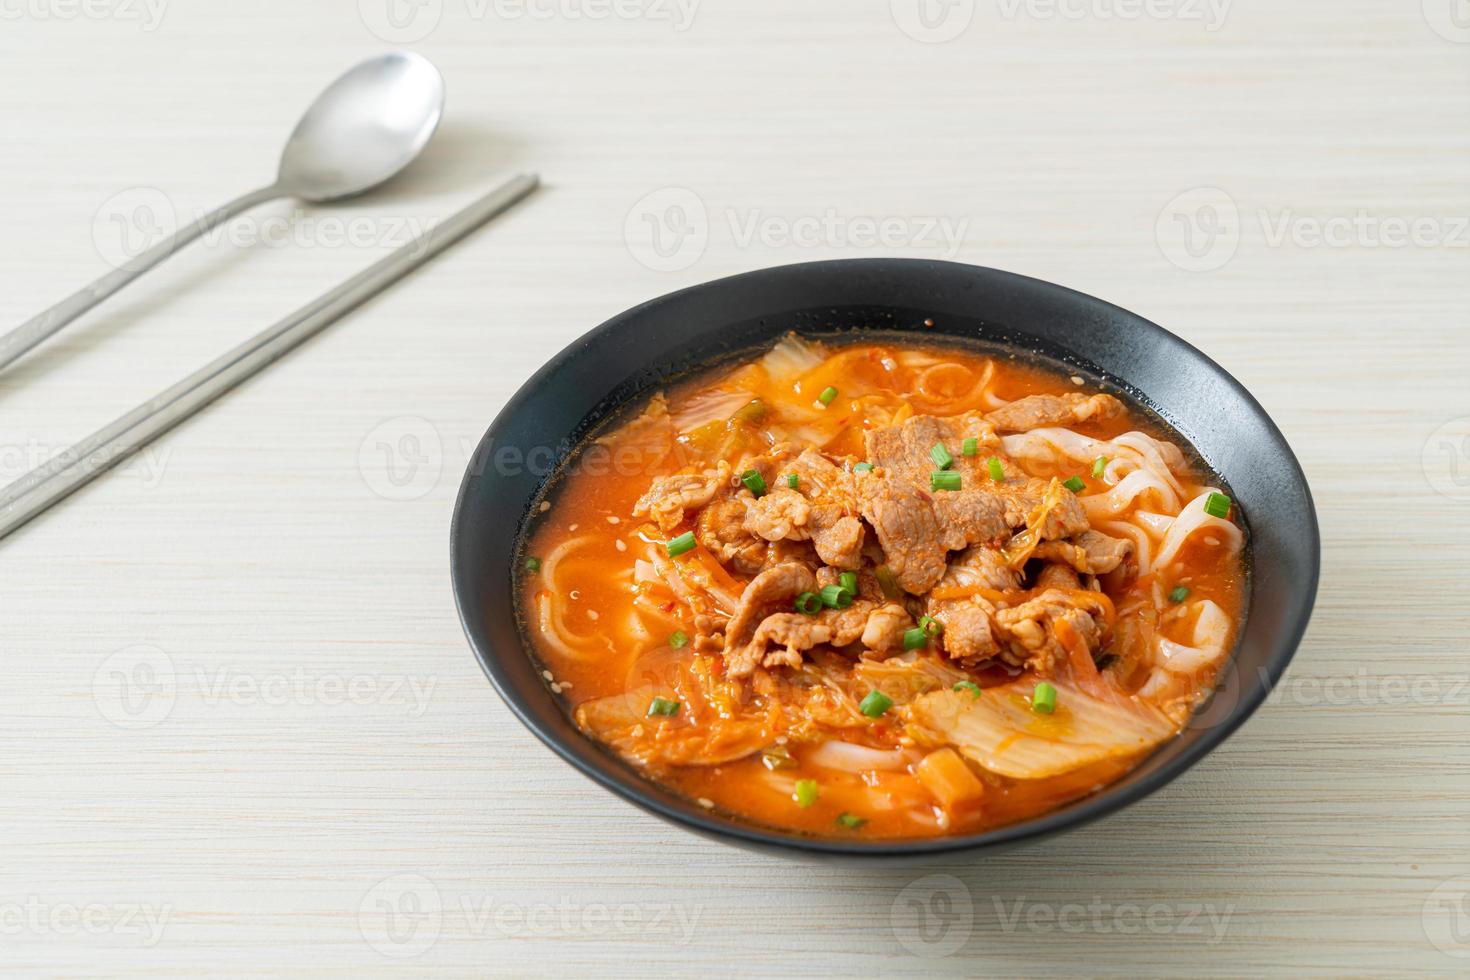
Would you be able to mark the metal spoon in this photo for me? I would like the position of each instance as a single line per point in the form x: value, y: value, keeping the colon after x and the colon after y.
x: 365, y: 128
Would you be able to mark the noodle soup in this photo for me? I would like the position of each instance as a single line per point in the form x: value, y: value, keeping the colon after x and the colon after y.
x: 883, y: 590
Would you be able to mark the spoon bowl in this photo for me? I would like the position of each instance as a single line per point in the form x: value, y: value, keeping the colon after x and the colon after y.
x: 363, y: 129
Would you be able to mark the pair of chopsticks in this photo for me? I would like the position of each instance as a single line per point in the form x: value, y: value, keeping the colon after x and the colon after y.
x: 73, y: 468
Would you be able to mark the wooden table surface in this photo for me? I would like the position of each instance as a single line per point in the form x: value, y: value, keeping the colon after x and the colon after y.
x: 243, y: 734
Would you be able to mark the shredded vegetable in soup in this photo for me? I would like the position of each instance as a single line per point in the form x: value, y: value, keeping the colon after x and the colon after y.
x: 883, y: 590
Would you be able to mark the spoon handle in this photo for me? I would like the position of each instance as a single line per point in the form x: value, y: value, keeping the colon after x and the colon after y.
x: 103, y: 449
x: 44, y: 324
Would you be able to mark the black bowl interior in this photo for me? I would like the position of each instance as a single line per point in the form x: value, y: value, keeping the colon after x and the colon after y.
x: 637, y: 351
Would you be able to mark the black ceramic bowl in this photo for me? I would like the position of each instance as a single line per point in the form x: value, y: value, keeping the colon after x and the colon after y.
x: 640, y: 350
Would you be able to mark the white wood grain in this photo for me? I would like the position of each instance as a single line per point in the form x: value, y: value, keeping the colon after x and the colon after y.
x: 261, y: 827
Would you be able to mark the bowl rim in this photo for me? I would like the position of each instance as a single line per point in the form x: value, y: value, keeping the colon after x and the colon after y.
x: 1108, y: 800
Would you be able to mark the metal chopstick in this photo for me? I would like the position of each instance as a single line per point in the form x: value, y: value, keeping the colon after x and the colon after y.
x: 73, y: 468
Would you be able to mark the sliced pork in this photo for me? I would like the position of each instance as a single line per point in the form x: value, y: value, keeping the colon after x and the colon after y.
x: 1044, y: 411
x: 670, y: 497
x: 1091, y: 552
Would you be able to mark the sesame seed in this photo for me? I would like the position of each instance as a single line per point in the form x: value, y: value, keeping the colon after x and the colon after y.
x: 614, y: 519
x: 572, y: 528
x: 620, y: 546
x: 545, y: 506
x: 547, y: 674
x: 706, y: 802
x: 1076, y: 380
x: 592, y: 614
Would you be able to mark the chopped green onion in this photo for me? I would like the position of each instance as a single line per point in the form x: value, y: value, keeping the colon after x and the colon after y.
x: 1098, y: 465
x: 835, y: 597
x: 533, y: 564
x: 663, y: 707
x: 681, y: 544
x: 848, y: 580
x: 1217, y: 505
x: 944, y: 480
x: 1178, y: 594
x: 1076, y: 484
x: 754, y: 482
x: 997, y: 471
x: 888, y: 582
x: 970, y: 686
x: 849, y: 821
x: 930, y: 626
x: 809, y: 603
x: 793, y: 481
x: 1044, y: 699
x: 828, y: 395
x: 862, y: 467
x: 914, y: 639
x: 970, y: 447
x: 806, y: 792
x: 941, y: 456
x: 678, y: 638
x: 875, y: 704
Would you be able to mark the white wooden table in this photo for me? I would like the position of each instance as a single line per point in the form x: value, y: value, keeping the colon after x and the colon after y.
x: 242, y: 733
